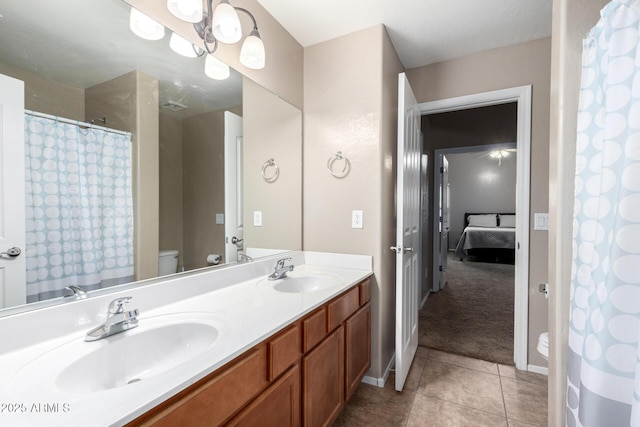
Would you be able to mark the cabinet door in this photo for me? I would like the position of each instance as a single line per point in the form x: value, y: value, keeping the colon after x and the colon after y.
x: 357, y: 348
x: 278, y: 406
x: 323, y: 381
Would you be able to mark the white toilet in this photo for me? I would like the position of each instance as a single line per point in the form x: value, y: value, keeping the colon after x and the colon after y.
x: 168, y: 262
x: 543, y: 345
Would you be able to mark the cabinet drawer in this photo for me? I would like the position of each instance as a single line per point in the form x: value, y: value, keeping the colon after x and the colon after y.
x: 216, y: 398
x: 365, y: 291
x: 314, y: 329
x: 283, y: 351
x: 343, y: 307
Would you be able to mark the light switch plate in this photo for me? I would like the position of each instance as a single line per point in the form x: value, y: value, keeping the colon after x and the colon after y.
x: 219, y: 218
x: 357, y: 219
x: 541, y: 221
x: 257, y: 218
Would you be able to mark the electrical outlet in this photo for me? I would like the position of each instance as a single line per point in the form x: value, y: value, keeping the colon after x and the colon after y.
x: 357, y: 219
x: 257, y: 218
x: 219, y: 218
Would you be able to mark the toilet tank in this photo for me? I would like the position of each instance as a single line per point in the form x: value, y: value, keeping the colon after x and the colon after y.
x: 168, y: 262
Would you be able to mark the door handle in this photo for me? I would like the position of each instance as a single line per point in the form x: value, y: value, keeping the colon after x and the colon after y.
x: 235, y: 240
x: 11, y: 252
x: 396, y: 249
x: 408, y: 249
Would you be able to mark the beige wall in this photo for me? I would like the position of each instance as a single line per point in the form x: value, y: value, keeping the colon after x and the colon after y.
x: 272, y: 129
x: 284, y: 55
x: 522, y: 64
x: 350, y: 86
x: 203, y: 187
x: 170, y: 186
x: 130, y: 102
x: 48, y: 96
x: 572, y: 20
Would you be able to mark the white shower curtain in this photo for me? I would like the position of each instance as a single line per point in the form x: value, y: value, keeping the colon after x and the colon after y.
x: 79, y: 208
x: 604, y: 334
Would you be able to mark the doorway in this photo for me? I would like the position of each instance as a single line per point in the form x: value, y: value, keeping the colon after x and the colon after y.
x: 522, y: 97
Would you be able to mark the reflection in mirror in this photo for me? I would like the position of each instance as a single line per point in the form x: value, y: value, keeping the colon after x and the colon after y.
x: 190, y: 187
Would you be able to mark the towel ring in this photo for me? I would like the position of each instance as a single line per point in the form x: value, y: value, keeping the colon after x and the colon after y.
x: 274, y: 175
x: 331, y: 165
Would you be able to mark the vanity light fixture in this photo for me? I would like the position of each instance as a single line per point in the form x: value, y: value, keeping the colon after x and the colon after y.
x: 222, y: 25
x: 145, y: 27
x: 215, y: 68
x: 182, y: 46
x: 187, y: 10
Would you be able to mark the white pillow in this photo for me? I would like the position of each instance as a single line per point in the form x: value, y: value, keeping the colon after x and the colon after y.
x: 488, y: 220
x: 508, y: 221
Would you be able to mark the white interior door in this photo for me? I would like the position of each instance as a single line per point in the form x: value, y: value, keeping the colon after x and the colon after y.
x: 408, y: 244
x: 233, y: 227
x: 443, y: 222
x: 12, y: 204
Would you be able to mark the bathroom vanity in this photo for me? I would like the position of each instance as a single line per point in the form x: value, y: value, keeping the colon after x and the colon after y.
x: 307, y: 370
x: 213, y: 347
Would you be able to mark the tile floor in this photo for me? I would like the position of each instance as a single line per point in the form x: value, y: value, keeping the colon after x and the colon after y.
x: 449, y: 390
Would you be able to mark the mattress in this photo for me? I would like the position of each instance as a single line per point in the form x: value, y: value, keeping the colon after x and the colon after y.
x: 485, y: 238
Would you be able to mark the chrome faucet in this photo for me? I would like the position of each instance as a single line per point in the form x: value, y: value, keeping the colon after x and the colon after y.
x: 77, y: 292
x: 118, y: 320
x: 242, y: 257
x: 281, y: 269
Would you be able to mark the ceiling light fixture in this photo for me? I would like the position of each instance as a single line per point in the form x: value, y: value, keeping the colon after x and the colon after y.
x: 499, y: 154
x: 222, y: 25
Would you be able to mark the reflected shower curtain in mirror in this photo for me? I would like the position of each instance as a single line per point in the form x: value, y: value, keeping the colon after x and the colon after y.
x: 79, y: 208
x: 604, y: 333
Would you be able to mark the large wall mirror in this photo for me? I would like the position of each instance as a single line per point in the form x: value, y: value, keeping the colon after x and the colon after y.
x: 212, y: 166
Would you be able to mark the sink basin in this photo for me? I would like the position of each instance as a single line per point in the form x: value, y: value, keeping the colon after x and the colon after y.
x: 306, y: 282
x: 158, y: 345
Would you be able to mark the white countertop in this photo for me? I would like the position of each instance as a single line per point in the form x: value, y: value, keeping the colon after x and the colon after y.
x: 245, y: 312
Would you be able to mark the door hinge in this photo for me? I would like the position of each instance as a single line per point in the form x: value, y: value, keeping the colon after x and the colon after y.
x: 440, y: 268
x: 441, y: 169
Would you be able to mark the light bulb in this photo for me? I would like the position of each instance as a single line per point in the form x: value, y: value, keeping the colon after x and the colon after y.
x: 215, y: 68
x: 252, y: 54
x: 145, y: 27
x: 187, y: 10
x: 182, y: 46
x: 226, y: 23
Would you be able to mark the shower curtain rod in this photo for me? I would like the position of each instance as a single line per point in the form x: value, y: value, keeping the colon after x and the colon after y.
x: 76, y: 122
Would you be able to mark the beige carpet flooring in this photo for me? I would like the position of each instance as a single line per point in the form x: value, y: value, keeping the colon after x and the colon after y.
x: 473, y: 315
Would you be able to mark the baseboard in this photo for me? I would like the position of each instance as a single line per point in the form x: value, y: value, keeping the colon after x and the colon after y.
x: 424, y: 300
x: 380, y: 382
x: 538, y: 369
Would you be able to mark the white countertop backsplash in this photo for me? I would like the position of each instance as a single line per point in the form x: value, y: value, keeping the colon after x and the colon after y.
x: 247, y: 311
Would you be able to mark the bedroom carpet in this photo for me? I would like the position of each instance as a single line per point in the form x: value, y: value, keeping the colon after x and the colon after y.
x: 473, y: 315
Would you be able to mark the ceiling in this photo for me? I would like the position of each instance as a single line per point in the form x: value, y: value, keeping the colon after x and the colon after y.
x: 422, y: 31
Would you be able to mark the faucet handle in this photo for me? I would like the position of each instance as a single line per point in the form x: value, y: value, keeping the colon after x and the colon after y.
x: 280, y: 263
x: 117, y: 305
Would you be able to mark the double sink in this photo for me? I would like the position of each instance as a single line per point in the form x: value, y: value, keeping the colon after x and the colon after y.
x: 159, y: 345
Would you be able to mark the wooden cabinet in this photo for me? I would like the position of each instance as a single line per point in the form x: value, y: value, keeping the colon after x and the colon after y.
x: 302, y: 375
x: 217, y: 397
x: 323, y: 381
x: 357, y: 348
x: 283, y: 350
x: 278, y: 406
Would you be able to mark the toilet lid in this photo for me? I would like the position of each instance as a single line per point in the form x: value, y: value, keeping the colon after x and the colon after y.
x: 170, y: 252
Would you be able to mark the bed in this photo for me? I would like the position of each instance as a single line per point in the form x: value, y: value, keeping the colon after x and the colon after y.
x: 489, y: 236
